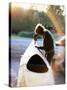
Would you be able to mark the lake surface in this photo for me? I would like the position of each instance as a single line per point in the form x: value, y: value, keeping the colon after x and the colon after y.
x: 18, y: 47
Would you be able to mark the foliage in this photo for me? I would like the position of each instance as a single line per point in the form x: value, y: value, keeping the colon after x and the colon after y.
x: 26, y: 20
x: 59, y: 11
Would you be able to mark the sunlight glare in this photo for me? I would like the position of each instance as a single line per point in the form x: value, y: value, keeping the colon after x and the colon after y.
x: 25, y: 6
x: 22, y: 5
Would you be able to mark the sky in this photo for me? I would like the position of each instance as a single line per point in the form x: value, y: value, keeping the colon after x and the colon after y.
x: 38, y: 7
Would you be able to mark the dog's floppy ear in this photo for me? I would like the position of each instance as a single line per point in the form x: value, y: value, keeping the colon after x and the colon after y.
x: 35, y: 37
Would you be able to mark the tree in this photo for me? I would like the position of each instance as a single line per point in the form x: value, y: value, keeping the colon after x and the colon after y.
x: 54, y: 13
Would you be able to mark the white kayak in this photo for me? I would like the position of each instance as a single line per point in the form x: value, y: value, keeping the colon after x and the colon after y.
x: 34, y: 68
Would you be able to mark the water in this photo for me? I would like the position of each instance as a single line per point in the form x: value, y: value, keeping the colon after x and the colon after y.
x: 18, y: 47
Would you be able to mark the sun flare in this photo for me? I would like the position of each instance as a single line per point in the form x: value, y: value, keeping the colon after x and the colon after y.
x: 27, y: 6
x: 22, y: 5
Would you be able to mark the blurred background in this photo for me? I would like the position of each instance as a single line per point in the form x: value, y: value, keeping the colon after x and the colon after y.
x: 23, y: 17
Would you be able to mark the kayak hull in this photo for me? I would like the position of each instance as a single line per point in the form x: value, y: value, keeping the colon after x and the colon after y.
x: 33, y: 77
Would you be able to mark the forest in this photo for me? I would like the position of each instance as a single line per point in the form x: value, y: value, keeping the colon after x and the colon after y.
x: 23, y: 22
